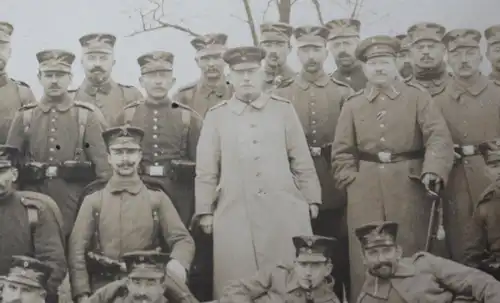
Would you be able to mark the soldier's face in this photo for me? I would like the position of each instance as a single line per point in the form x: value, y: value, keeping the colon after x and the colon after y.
x: 98, y: 66
x: 343, y: 49
x: 55, y: 83
x: 493, y: 55
x: 276, y: 52
x: 311, y: 274
x: 381, y: 261
x: 212, y: 66
x: 247, y: 81
x: 5, y: 52
x: 427, y: 53
x: 312, y: 57
x: 19, y: 293
x: 465, y: 61
x: 404, y: 64
x: 157, y: 84
x: 124, y: 161
x: 145, y: 290
x: 8, y: 176
x: 380, y: 70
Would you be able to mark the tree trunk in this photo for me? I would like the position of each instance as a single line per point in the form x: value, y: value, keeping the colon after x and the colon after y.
x: 251, y: 22
x: 284, y: 10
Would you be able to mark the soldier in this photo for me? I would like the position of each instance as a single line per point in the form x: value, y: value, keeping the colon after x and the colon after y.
x: 171, y: 132
x: 28, y: 224
x: 98, y: 88
x: 307, y: 278
x: 423, y: 276
x: 252, y: 147
x: 60, y: 138
x: 212, y: 87
x: 14, y: 94
x: 403, y: 58
x: 492, y: 35
x: 318, y: 100
x: 470, y: 105
x: 342, y: 42
x: 275, y: 40
x: 427, y: 54
x: 146, y: 281
x: 26, y: 281
x: 389, y: 139
x: 122, y: 217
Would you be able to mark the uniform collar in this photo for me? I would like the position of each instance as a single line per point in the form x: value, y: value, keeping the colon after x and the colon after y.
x: 304, y: 79
x: 117, y: 185
x: 380, y: 288
x: 371, y: 92
x: 458, y: 88
x: 158, y: 104
x: 63, y: 105
x: 322, y: 290
x: 284, y: 71
x: 220, y: 89
x: 238, y: 107
x: 92, y: 89
x: 4, y: 79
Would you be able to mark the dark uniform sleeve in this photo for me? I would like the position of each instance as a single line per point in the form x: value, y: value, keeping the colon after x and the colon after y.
x: 476, y: 239
x: 78, y: 242
x: 96, y: 148
x: 175, y: 233
x: 436, y: 137
x: 460, y: 279
x: 26, y: 94
x: 16, y: 134
x: 49, y: 248
x: 247, y: 290
x: 344, y: 163
x: 120, y: 119
x: 193, y: 135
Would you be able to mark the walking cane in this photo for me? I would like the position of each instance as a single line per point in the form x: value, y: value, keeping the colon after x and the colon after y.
x: 435, y: 229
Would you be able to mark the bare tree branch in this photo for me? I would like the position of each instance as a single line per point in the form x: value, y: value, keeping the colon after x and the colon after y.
x: 251, y: 22
x: 269, y: 2
x: 317, y: 6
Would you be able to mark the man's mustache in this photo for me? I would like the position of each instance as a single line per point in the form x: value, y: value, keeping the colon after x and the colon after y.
x: 426, y: 57
x: 97, y: 69
x: 465, y: 66
x: 382, y: 264
x: 343, y: 55
x: 126, y: 164
x: 141, y: 298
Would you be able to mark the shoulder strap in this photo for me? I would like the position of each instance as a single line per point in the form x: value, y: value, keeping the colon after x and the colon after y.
x: 186, y: 121
x: 96, y: 214
x: 129, y: 113
x: 82, y: 115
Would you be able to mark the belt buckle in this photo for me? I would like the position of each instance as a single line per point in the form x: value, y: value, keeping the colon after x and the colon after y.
x: 51, y: 171
x: 385, y: 157
x: 315, y: 151
x: 468, y: 150
x: 156, y: 171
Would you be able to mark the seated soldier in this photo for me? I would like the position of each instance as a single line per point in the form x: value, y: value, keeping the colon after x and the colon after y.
x: 147, y: 281
x: 420, y: 278
x: 26, y: 281
x: 307, y: 280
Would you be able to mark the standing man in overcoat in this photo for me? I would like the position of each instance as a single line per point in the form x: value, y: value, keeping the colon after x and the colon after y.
x: 470, y: 105
x: 391, y: 145
x: 98, y: 88
x: 14, y: 93
x: 256, y: 186
x: 318, y: 100
x: 492, y: 35
x: 212, y: 87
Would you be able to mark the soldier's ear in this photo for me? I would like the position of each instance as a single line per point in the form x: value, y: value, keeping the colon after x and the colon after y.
x: 172, y: 82
x: 141, y: 81
x: 399, y: 251
x: 15, y: 174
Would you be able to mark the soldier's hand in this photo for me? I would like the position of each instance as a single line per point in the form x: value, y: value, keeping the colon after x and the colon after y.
x: 83, y: 299
x: 431, y: 182
x: 457, y: 156
x: 206, y: 223
x: 314, y: 210
x: 175, y: 268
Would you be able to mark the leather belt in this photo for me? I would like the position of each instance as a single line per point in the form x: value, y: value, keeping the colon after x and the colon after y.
x: 467, y: 150
x: 155, y: 170
x: 388, y: 157
x: 52, y: 171
x: 317, y: 151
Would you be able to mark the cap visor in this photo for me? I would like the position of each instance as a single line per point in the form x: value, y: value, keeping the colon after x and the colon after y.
x: 310, y: 43
x: 126, y: 145
x: 146, y: 274
x: 245, y: 66
x: 311, y: 258
x: 23, y: 281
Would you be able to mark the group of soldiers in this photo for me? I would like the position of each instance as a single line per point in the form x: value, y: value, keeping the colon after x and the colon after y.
x: 293, y: 185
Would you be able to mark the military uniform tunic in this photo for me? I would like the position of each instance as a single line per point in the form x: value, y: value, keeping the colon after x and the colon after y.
x: 14, y: 94
x: 401, y: 118
x: 201, y: 97
x: 258, y: 155
x: 472, y: 113
x: 52, y: 137
x: 355, y: 78
x: 169, y: 135
x: 110, y: 97
x: 434, y: 83
x: 125, y: 225
x: 279, y: 284
x: 430, y: 279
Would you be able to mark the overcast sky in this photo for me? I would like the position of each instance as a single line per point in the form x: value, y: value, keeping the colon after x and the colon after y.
x: 41, y: 24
